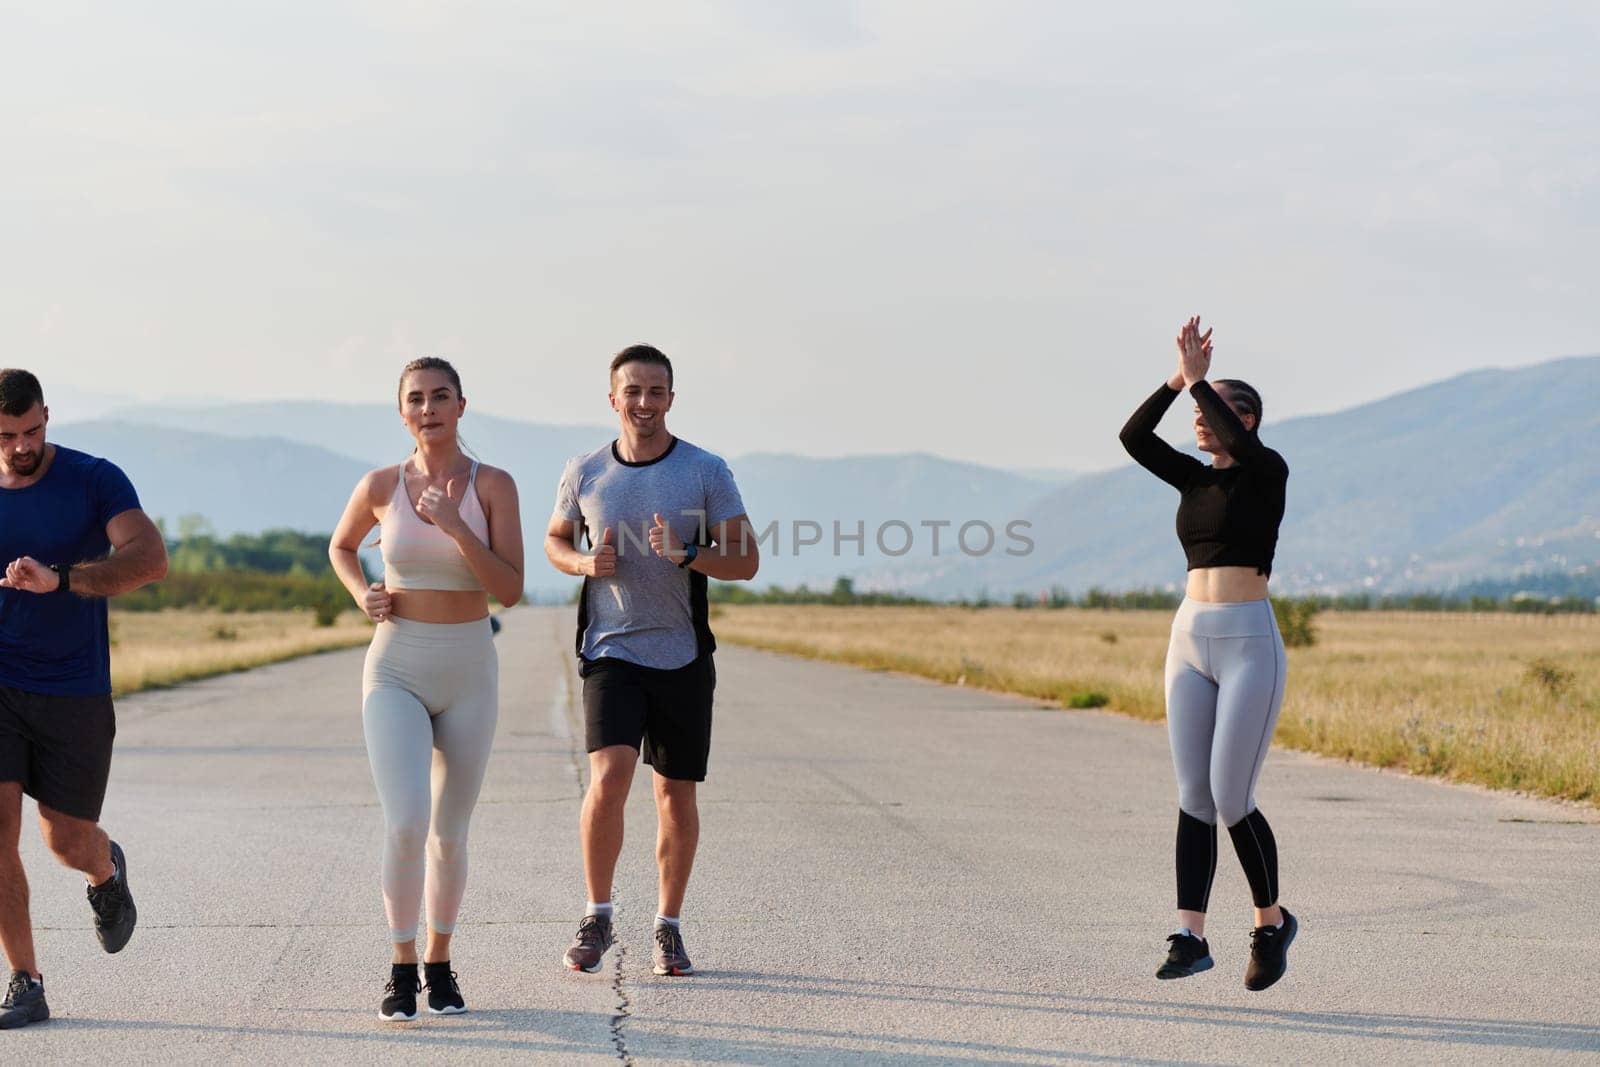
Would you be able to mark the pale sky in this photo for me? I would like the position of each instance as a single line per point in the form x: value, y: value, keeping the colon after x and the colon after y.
x: 969, y: 229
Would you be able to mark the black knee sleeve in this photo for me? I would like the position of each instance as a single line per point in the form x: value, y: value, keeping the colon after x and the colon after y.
x: 1197, y: 861
x: 1258, y: 855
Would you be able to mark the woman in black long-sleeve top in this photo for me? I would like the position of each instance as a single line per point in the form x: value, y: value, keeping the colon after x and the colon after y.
x: 1225, y: 663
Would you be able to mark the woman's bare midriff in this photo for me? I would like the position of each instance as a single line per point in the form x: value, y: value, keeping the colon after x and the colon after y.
x: 438, y: 605
x: 1226, y: 585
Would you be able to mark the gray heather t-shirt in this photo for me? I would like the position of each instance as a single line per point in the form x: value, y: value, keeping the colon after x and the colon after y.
x: 649, y: 612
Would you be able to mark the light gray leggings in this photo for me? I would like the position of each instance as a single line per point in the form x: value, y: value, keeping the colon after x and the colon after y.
x: 1225, y: 675
x: 430, y: 699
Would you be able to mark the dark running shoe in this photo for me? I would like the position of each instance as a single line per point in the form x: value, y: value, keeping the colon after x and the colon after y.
x: 670, y: 958
x: 114, y: 913
x: 400, y: 994
x: 594, y: 937
x: 1269, y: 952
x: 444, y: 996
x: 1189, y: 955
x: 24, y: 1002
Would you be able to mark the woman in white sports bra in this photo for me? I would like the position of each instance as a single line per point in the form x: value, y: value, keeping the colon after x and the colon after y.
x: 451, y: 537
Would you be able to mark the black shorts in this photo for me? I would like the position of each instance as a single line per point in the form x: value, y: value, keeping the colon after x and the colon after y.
x: 58, y: 747
x: 664, y: 714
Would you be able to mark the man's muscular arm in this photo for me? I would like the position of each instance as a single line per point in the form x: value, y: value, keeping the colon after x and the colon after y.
x: 138, y: 556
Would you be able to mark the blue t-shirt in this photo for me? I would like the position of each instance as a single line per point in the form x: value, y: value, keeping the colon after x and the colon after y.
x: 57, y: 643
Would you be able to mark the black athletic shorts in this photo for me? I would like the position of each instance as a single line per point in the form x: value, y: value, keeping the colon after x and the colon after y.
x: 664, y: 714
x: 58, y: 747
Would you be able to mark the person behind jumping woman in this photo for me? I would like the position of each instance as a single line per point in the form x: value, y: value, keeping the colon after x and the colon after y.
x: 451, y: 536
x: 1225, y: 663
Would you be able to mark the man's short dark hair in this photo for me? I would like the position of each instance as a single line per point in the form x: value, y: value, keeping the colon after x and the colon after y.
x: 19, y: 391
x: 642, y: 354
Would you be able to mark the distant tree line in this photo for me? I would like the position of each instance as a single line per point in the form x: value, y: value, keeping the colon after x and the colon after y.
x: 276, y: 570
x: 1514, y: 597
x: 271, y: 552
x: 842, y: 593
x: 1517, y: 603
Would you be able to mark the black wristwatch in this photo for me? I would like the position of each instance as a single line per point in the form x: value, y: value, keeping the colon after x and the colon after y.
x: 689, y: 553
x: 63, y: 572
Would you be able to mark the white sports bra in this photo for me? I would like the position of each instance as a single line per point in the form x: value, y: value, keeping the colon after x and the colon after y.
x: 419, y: 555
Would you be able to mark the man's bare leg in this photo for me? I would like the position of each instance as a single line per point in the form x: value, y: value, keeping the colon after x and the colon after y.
x: 677, y: 838
x: 600, y: 824
x: 16, y: 926
x: 78, y: 843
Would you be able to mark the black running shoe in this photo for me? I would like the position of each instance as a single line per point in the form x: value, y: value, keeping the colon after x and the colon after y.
x: 1188, y: 955
x: 400, y: 995
x: 594, y: 937
x: 444, y: 996
x: 114, y: 913
x: 24, y: 1002
x: 670, y: 958
x: 1269, y: 952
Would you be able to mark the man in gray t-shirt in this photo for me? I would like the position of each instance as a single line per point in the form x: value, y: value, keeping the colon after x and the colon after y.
x: 659, y: 516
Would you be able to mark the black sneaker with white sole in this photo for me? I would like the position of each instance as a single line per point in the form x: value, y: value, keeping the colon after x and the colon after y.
x: 400, y: 995
x: 1269, y: 952
x: 444, y: 996
x: 112, y: 901
x: 1189, y: 955
x: 24, y: 1003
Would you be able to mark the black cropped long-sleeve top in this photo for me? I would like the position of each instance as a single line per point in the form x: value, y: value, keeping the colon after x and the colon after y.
x: 1227, y: 516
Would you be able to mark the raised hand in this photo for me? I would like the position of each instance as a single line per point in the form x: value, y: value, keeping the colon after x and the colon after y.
x: 442, y: 507
x: 1194, y: 353
x: 664, y: 542
x: 603, y: 563
x: 30, y: 576
x: 376, y: 602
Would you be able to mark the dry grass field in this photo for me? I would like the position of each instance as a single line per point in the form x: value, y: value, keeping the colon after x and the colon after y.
x: 1509, y: 701
x: 156, y: 648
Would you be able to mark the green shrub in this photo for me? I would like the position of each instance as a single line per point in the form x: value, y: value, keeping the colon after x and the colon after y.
x: 326, y: 611
x: 1555, y: 679
x: 1294, y: 621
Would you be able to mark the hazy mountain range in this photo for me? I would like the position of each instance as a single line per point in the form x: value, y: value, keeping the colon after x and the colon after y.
x: 1487, y: 474
x: 1493, y: 472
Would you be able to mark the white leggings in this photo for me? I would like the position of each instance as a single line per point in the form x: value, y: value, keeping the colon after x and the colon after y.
x: 1225, y: 674
x: 430, y: 699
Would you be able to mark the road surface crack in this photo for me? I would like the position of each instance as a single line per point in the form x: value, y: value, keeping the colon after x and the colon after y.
x: 619, y: 1040
x: 580, y: 767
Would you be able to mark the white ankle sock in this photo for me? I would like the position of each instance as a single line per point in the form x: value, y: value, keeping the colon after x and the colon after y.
x: 604, y: 908
x: 667, y: 920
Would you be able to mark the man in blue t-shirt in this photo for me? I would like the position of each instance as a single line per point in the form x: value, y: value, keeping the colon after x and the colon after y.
x: 71, y: 535
x: 663, y: 516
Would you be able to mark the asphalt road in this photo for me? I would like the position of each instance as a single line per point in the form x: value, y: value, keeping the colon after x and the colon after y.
x: 891, y: 871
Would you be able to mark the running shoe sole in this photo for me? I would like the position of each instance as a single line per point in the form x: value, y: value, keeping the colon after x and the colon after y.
x: 673, y: 972
x: 398, y: 1017
x: 450, y: 1010
x: 15, y: 1018
x: 1204, y: 964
